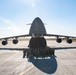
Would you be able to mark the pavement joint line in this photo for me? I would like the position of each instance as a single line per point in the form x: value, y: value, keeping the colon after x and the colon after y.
x: 26, y: 70
x: 9, y: 58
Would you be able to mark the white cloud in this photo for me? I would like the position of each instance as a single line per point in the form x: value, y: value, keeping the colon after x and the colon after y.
x: 2, y: 28
x: 10, y: 26
x: 28, y: 2
x: 7, y: 21
x: 32, y: 2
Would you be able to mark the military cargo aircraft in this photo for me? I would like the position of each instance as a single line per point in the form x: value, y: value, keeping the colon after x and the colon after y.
x: 37, y: 44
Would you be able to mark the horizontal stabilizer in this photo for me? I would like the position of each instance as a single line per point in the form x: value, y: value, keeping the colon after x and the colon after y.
x: 31, y: 24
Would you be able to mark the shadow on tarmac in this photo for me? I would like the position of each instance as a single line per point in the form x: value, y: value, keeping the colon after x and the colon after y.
x: 48, y: 65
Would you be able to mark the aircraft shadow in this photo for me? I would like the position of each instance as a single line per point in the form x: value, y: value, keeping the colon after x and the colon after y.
x: 48, y: 66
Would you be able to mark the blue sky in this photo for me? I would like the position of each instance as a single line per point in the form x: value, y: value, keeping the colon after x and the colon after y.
x: 60, y: 16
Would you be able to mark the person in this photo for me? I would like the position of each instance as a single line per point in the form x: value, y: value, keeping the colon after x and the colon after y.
x: 53, y: 53
x: 24, y: 54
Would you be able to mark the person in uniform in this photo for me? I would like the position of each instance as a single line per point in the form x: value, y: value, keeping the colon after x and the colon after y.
x: 24, y: 54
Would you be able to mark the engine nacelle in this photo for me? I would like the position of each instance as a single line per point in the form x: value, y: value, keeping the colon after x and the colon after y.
x: 59, y: 40
x: 69, y: 40
x: 4, y: 42
x: 15, y: 41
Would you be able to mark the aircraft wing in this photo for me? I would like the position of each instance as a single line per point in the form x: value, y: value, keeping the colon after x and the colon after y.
x: 16, y: 36
x: 63, y: 48
x: 54, y: 35
x: 18, y: 49
x: 15, y: 39
x: 27, y: 35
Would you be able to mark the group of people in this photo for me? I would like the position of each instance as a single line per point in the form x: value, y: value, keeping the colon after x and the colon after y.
x: 38, y: 48
x: 42, y: 52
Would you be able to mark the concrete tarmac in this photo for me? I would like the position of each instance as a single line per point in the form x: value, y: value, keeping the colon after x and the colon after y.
x: 12, y: 63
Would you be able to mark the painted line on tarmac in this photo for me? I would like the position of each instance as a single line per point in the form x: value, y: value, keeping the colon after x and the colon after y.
x: 26, y: 70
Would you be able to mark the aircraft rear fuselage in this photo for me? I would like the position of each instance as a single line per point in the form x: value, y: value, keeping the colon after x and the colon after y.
x: 37, y: 44
x: 37, y: 27
x: 37, y: 31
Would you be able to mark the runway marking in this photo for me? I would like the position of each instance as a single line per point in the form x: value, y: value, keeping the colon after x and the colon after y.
x: 26, y: 70
x: 8, y: 58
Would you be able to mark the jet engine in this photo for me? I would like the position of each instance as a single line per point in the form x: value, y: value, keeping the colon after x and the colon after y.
x: 59, y: 40
x: 69, y: 40
x: 15, y: 41
x: 4, y: 42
